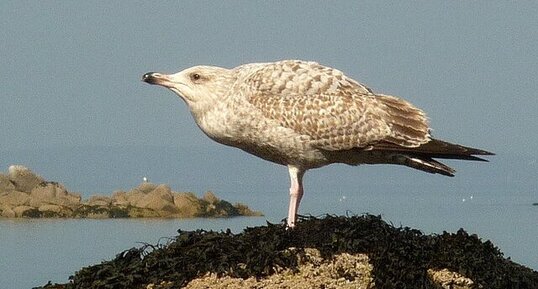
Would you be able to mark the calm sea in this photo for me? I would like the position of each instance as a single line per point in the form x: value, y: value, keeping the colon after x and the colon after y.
x: 33, y: 252
x: 493, y: 200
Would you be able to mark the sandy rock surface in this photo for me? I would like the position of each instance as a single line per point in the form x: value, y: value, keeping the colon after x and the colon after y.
x: 344, y: 271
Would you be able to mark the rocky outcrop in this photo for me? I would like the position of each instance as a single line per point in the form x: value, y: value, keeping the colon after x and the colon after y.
x: 23, y: 179
x: 188, y: 204
x: 53, y: 193
x: 26, y: 194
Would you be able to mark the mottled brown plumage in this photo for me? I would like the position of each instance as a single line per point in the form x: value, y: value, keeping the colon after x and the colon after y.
x: 305, y: 115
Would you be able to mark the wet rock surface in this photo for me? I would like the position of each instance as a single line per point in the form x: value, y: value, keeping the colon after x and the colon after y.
x: 24, y: 194
x: 331, y: 252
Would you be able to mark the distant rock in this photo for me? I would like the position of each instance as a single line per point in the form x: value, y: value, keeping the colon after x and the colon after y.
x: 119, y: 198
x: 24, y: 211
x: 210, y: 198
x: 146, y: 187
x: 6, y: 184
x: 7, y: 212
x: 53, y: 193
x: 160, y: 199
x: 49, y: 208
x: 102, y: 201
x: 23, y: 179
x: 24, y: 194
x: 188, y: 204
x: 14, y: 198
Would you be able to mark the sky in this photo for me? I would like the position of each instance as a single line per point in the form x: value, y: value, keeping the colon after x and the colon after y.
x: 70, y: 75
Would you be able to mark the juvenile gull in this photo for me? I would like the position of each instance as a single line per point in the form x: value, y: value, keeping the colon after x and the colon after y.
x: 304, y: 115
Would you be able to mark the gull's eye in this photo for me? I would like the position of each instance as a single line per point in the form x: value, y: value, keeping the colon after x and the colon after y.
x: 195, y: 76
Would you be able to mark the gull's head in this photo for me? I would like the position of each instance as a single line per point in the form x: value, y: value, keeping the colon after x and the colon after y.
x: 195, y: 85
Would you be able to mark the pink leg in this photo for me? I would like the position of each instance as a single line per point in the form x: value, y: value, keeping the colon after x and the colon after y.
x: 296, y: 193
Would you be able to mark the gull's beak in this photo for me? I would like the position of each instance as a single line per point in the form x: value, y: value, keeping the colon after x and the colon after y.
x: 157, y: 78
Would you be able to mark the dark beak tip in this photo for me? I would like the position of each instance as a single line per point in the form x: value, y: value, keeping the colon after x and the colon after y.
x: 149, y: 77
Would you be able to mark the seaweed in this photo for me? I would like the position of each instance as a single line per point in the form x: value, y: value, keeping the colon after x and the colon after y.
x: 400, y: 256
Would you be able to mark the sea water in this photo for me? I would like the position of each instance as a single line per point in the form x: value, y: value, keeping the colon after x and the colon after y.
x: 33, y: 252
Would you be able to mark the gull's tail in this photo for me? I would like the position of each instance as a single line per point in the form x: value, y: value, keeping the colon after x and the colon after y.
x: 422, y: 157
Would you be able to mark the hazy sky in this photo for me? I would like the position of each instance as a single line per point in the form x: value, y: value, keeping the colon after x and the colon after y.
x: 70, y: 70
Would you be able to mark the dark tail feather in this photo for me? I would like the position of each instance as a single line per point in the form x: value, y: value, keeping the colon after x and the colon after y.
x: 445, y: 150
x: 435, y: 149
x: 425, y: 164
x: 422, y: 157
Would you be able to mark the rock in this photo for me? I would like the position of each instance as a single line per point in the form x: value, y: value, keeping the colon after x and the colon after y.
x: 5, y: 184
x: 220, y: 209
x: 164, y: 192
x: 341, y: 271
x: 449, y: 280
x: 51, y: 208
x: 23, y: 178
x: 160, y: 199
x: 15, y: 198
x: 135, y: 195
x: 98, y: 212
x: 210, y: 210
x: 73, y: 199
x: 244, y: 210
x: 44, y: 193
x: 188, y: 205
x: 210, y: 197
x: 7, y: 212
x: 136, y: 212
x: 119, y: 198
x: 22, y: 211
x: 118, y: 212
x: 146, y: 187
x: 103, y: 201
x: 25, y: 194
x: 344, y: 270
x: 53, y: 193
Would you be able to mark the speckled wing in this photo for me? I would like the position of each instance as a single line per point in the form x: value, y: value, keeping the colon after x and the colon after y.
x: 335, y: 112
